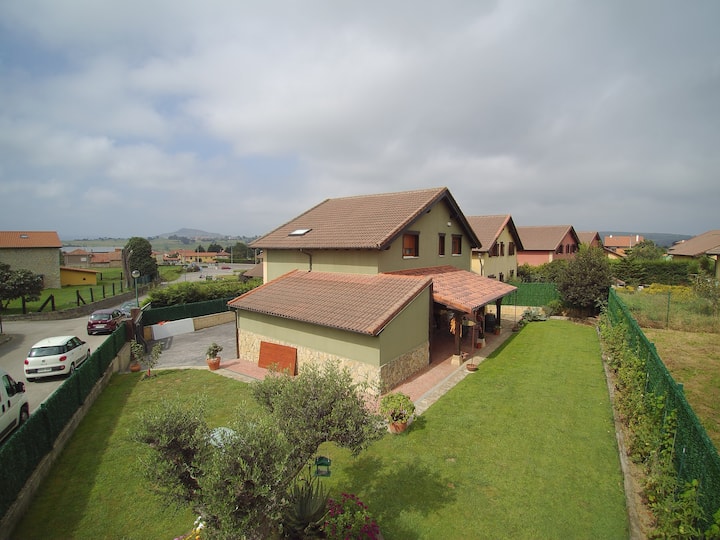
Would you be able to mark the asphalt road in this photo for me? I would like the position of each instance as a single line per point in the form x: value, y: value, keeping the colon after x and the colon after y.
x: 19, y: 336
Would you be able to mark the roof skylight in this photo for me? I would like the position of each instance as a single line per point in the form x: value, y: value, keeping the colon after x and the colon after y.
x: 299, y: 232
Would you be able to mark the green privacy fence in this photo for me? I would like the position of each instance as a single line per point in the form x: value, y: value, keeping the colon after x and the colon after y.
x: 24, y: 450
x: 532, y: 294
x: 696, y: 456
x: 185, y: 311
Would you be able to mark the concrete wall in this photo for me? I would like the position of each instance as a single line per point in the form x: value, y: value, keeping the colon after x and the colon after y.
x: 44, y: 261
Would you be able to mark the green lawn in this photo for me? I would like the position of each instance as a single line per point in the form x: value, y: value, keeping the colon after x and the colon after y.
x: 523, y: 448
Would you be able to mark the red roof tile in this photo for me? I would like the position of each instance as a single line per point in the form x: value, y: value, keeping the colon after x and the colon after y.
x: 360, y: 222
x: 544, y: 238
x: 362, y: 303
x: 461, y: 289
x: 29, y: 239
x: 488, y: 228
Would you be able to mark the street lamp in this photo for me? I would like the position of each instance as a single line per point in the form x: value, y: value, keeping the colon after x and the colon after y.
x: 136, y: 274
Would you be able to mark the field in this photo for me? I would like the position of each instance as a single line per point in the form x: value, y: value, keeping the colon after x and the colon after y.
x: 687, y: 338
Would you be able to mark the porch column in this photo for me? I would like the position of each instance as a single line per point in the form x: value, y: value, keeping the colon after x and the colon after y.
x: 458, y: 332
x: 498, y: 304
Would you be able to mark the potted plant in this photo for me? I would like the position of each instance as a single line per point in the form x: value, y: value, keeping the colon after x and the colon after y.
x: 213, y: 356
x: 398, y: 409
x: 137, y: 353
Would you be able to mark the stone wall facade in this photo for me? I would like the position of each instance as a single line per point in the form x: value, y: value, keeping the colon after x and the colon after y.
x: 383, y: 378
x: 41, y: 261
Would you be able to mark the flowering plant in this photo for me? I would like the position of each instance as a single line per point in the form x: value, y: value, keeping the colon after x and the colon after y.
x: 198, y: 526
x: 349, y: 519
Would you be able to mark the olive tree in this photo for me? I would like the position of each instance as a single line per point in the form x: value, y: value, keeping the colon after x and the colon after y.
x: 238, y: 478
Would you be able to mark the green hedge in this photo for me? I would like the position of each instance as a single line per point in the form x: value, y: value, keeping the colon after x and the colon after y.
x: 532, y: 294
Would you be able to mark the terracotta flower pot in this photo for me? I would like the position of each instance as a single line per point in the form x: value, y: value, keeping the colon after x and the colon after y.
x: 135, y: 367
x: 397, y: 427
x: 213, y: 363
x: 471, y: 367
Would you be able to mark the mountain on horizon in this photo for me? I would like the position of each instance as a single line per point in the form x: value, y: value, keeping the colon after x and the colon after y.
x: 192, y: 233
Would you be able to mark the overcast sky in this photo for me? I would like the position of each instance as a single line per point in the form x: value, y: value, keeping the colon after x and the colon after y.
x: 137, y: 118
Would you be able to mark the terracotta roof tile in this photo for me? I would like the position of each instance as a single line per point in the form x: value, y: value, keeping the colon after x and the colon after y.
x: 543, y: 238
x: 622, y: 241
x: 587, y: 237
x: 461, y: 289
x: 29, y: 239
x: 488, y: 228
x: 708, y: 242
x: 359, y: 222
x: 362, y: 303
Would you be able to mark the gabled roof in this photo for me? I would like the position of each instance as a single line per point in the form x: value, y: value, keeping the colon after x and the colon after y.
x: 29, y: 239
x: 588, y: 237
x: 545, y: 238
x: 362, y: 303
x: 460, y: 289
x: 360, y: 222
x: 622, y: 241
x: 707, y: 242
x: 488, y: 228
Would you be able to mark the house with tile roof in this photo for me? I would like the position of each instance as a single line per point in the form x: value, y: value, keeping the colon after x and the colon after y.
x: 705, y: 244
x: 369, y: 281
x: 622, y: 243
x: 496, y: 257
x: 37, y: 251
x: 544, y: 244
x: 590, y: 238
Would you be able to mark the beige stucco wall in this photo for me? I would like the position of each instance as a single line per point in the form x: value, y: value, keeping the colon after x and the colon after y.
x: 487, y: 266
x: 429, y: 225
x: 400, y: 350
x: 44, y: 261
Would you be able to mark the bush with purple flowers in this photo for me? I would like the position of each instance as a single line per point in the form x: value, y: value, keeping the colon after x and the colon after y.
x: 349, y: 519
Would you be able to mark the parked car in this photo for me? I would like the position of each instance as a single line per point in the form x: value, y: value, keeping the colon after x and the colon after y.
x: 57, y: 355
x: 104, y: 321
x: 15, y: 408
x: 127, y: 307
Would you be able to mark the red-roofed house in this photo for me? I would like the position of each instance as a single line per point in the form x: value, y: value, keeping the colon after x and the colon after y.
x: 37, y: 251
x: 496, y: 257
x: 544, y: 244
x: 622, y: 243
x: 590, y: 238
x: 369, y: 281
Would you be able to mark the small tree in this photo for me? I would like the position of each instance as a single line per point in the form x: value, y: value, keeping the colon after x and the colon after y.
x: 139, y: 257
x: 238, y: 479
x: 585, y: 282
x: 18, y: 284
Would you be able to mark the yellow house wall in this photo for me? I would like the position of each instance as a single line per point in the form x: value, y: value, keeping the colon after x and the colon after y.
x: 68, y: 277
x: 400, y: 350
x: 282, y: 261
x: 487, y: 266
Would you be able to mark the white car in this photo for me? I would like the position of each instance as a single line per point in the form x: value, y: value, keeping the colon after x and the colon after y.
x: 15, y: 409
x: 58, y: 355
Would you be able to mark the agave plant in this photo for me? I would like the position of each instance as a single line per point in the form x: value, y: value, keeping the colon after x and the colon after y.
x: 305, y: 515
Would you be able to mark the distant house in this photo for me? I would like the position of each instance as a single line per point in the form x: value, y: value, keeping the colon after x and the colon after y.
x: 590, y: 238
x: 496, y: 257
x: 80, y: 258
x: 186, y: 256
x: 37, y: 251
x: 374, y: 282
x: 705, y: 244
x: 544, y: 244
x: 621, y: 244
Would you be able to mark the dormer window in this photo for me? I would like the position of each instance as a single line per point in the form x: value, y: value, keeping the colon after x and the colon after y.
x: 411, y: 244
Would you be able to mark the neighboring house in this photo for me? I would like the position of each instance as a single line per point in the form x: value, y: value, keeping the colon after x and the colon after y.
x: 80, y: 258
x: 496, y: 257
x: 622, y: 243
x: 370, y: 281
x: 200, y: 257
x: 707, y: 243
x: 590, y: 238
x: 544, y: 244
x: 37, y: 251
x: 77, y: 276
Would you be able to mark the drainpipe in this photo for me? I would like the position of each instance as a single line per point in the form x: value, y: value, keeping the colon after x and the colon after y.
x: 309, y: 257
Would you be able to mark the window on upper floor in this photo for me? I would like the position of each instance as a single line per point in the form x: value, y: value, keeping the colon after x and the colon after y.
x: 411, y: 244
x: 559, y: 249
x: 495, y: 251
x: 441, y: 244
x: 567, y: 248
x: 511, y: 248
x: 457, y: 244
x: 502, y: 250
